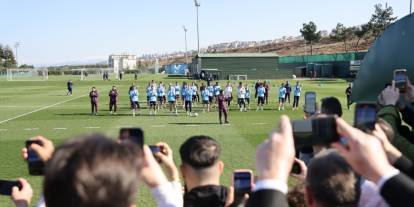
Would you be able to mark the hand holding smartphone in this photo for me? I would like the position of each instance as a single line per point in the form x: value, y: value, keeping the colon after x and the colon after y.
x: 6, y: 186
x: 36, y: 165
x: 310, y: 102
x: 316, y: 131
x: 365, y: 116
x: 400, y: 79
x: 243, y: 184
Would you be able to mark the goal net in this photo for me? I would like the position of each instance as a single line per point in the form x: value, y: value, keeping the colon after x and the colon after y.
x: 237, y: 77
x: 31, y: 74
x: 93, y: 73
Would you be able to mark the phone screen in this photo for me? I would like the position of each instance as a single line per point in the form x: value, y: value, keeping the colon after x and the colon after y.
x: 242, y: 183
x: 317, y: 131
x: 400, y: 78
x: 310, y: 102
x: 154, y: 149
x: 6, y: 186
x: 134, y: 135
x: 36, y: 165
x: 365, y: 116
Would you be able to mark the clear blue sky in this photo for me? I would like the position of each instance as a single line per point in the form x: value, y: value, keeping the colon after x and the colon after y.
x: 53, y: 31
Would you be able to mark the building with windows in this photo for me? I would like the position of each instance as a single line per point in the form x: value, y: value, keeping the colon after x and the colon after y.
x: 123, y: 61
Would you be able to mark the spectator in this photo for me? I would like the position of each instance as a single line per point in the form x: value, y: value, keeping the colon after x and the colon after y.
x: 331, y: 106
x: 22, y: 197
x: 330, y: 181
x: 201, y: 169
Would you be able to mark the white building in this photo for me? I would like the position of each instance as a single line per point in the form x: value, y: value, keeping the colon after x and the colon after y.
x: 122, y: 61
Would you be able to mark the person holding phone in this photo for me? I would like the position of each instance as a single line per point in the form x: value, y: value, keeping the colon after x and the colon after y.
x: 22, y: 196
x: 93, y: 95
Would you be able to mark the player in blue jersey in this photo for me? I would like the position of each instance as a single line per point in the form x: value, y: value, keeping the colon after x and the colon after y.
x: 205, y: 96
x: 216, y: 89
x: 297, y: 89
x: 152, y: 100
x: 210, y: 89
x: 188, y: 98
x: 148, y: 92
x: 260, y: 97
x: 247, y: 96
x: 282, y: 96
x: 171, y: 96
x: 161, y: 95
x: 133, y: 95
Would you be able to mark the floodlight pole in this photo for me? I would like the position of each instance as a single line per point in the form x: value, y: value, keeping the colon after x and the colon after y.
x: 411, y: 6
x: 185, y: 38
x: 197, y: 5
x: 16, y: 45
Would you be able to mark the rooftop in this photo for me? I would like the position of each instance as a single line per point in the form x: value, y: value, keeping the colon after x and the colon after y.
x: 224, y: 55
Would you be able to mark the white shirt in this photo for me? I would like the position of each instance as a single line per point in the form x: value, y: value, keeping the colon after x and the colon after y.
x: 241, y: 93
x: 169, y: 194
x: 228, y: 92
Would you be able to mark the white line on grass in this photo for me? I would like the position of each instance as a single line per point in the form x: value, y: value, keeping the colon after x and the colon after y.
x: 192, y: 125
x: 93, y: 127
x: 3, y: 130
x: 158, y: 126
x: 60, y: 128
x: 260, y: 123
x: 40, y: 109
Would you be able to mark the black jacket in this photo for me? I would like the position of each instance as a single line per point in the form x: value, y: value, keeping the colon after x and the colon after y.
x: 267, y: 198
x: 206, y: 196
x: 398, y: 191
x: 405, y: 165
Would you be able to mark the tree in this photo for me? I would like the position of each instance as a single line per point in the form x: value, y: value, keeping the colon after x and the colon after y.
x: 381, y: 19
x: 8, y: 57
x: 341, y: 33
x: 360, y: 32
x: 310, y: 34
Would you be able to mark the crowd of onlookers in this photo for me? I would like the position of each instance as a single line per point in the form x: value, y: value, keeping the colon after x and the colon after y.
x: 362, y: 168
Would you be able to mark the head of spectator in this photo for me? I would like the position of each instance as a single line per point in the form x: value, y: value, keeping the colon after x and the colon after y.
x: 296, y: 196
x: 201, y: 164
x: 331, y: 181
x: 92, y: 171
x: 331, y: 106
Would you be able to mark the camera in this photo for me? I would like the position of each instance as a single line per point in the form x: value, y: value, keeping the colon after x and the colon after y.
x: 316, y: 131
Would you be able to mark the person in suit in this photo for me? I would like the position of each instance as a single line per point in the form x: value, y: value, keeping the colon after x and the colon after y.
x: 274, y: 160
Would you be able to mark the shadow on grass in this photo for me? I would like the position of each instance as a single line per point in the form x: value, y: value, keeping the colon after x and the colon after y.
x: 111, y: 115
x: 193, y: 123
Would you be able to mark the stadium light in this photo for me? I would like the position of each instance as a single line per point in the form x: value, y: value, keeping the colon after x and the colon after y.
x: 197, y: 5
x: 185, y: 38
x: 16, y: 45
x: 411, y: 6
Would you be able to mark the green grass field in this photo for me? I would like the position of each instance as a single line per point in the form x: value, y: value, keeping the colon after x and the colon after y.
x: 59, y: 117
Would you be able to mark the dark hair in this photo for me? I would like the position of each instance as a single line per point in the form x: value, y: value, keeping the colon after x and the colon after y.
x: 331, y: 106
x: 92, y: 171
x: 332, y: 181
x: 200, y: 152
x: 296, y: 196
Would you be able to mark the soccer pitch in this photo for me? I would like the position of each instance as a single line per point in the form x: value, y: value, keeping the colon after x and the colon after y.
x: 30, y: 108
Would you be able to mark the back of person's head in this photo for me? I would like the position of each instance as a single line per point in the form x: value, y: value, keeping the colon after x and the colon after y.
x: 200, y: 152
x: 330, y: 181
x: 331, y: 106
x: 296, y: 195
x: 92, y: 171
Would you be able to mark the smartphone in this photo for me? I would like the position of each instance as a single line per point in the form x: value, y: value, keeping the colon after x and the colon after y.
x: 310, y: 102
x: 155, y: 149
x: 296, y: 168
x: 6, y: 186
x: 365, y: 116
x: 243, y: 184
x: 400, y: 79
x: 317, y: 131
x: 132, y: 135
x: 36, y: 165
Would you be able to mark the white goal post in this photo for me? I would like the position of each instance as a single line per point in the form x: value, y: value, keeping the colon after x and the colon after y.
x: 237, y: 77
x: 27, y: 74
x: 92, y: 73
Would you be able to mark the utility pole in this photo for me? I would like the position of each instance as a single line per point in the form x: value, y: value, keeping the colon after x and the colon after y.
x: 185, y: 38
x: 197, y: 5
x: 411, y: 6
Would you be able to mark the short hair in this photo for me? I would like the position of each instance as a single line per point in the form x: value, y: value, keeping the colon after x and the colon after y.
x: 296, y: 196
x: 332, y: 181
x: 200, y: 152
x: 92, y: 171
x: 331, y: 106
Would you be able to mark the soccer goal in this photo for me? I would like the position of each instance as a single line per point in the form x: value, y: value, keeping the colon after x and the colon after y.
x: 237, y: 77
x: 30, y: 74
x: 93, y: 73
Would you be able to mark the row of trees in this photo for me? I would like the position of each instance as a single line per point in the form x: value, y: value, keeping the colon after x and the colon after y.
x: 379, y: 21
x: 7, y: 58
